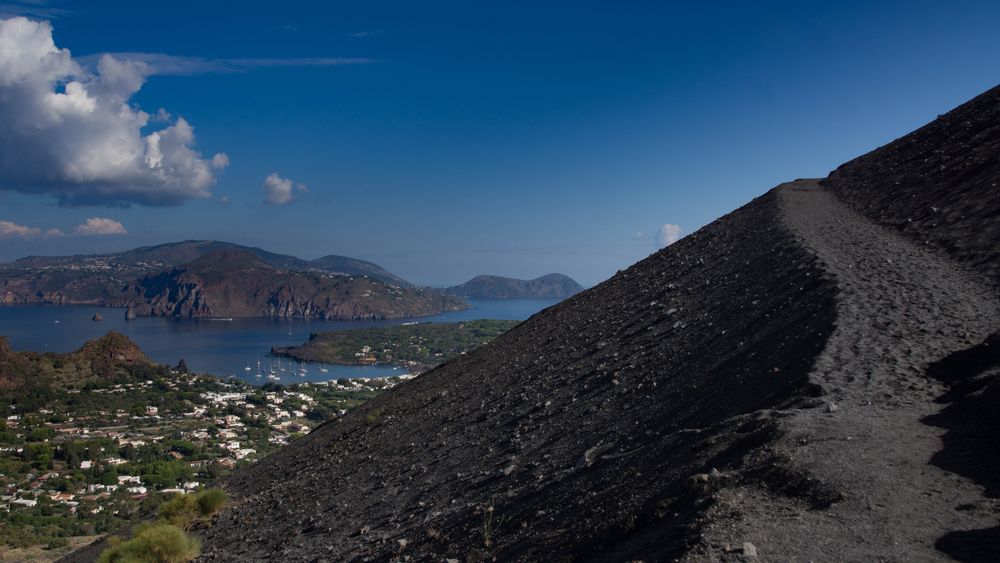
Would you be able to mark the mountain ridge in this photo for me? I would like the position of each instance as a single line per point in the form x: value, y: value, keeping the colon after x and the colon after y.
x: 178, y: 279
x: 182, y: 252
x: 238, y: 283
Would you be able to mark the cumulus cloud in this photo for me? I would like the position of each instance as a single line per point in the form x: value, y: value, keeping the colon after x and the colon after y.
x: 100, y: 226
x: 279, y: 191
x: 93, y: 226
x: 72, y: 133
x: 667, y: 235
x: 9, y: 229
x: 220, y: 161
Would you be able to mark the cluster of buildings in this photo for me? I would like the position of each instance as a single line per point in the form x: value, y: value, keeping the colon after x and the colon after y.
x: 221, y: 438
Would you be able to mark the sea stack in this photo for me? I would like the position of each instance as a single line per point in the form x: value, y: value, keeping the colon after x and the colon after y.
x: 97, y: 317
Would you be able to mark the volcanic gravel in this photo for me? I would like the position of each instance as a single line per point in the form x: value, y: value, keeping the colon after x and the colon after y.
x: 900, y: 309
x: 581, y: 428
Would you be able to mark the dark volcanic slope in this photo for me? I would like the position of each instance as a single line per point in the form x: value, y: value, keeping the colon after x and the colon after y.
x: 580, y: 427
x: 900, y: 309
x: 937, y: 185
x: 551, y: 286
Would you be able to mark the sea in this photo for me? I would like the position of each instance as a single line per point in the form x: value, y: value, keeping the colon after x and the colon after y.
x: 223, y: 347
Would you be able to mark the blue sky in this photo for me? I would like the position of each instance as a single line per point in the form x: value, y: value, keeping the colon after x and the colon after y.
x: 447, y: 139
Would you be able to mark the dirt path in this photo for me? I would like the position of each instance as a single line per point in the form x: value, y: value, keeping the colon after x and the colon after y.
x: 900, y: 308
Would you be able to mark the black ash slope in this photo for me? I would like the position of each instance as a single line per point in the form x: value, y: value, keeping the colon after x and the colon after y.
x: 580, y: 427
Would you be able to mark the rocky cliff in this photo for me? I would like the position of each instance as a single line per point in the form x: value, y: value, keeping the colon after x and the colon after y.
x: 239, y: 284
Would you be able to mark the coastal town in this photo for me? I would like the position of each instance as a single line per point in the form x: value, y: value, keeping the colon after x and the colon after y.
x: 82, y: 462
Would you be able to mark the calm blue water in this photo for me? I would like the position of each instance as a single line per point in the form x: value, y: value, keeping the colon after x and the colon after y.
x: 215, y: 346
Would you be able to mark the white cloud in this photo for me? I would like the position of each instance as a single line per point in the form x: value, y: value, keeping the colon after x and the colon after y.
x: 220, y: 161
x: 100, y: 226
x: 163, y: 64
x: 667, y: 235
x: 13, y: 230
x: 72, y: 133
x: 279, y: 191
x: 93, y: 226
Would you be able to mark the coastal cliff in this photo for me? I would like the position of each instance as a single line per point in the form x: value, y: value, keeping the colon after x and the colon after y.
x: 239, y: 284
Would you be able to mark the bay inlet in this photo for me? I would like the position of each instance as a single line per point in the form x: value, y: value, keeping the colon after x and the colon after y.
x: 223, y: 347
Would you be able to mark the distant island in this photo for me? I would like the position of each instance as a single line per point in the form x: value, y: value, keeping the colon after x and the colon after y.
x: 220, y: 279
x: 551, y: 286
x: 177, y: 253
x: 416, y: 347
